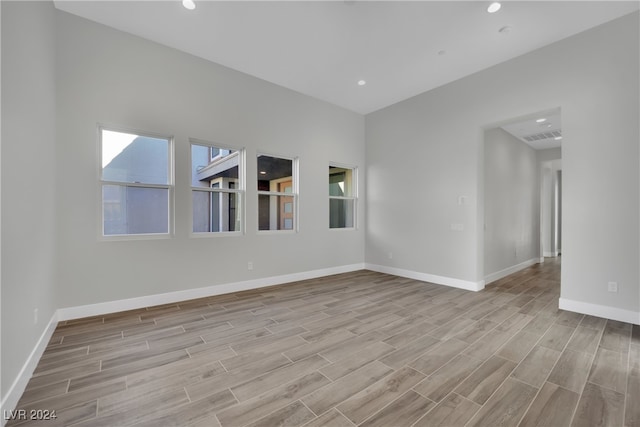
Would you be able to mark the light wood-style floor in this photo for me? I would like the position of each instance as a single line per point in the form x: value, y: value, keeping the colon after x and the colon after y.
x: 362, y: 348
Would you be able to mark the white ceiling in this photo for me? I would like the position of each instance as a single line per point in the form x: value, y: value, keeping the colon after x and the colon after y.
x: 539, y: 135
x: 322, y: 48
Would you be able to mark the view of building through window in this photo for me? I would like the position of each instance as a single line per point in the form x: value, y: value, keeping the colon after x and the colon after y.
x: 137, y: 186
x: 341, y: 197
x: 136, y: 182
x: 277, y: 196
x: 216, y: 189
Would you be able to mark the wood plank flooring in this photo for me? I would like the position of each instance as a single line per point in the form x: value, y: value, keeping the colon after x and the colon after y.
x: 361, y: 348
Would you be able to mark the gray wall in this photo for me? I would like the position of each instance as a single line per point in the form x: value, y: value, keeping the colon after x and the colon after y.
x: 425, y: 152
x: 511, y: 202
x: 110, y: 77
x: 549, y: 154
x: 28, y: 181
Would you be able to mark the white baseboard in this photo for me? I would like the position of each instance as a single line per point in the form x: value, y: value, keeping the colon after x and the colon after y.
x: 598, y: 310
x: 425, y: 277
x: 98, y: 309
x: 510, y: 270
x: 10, y: 400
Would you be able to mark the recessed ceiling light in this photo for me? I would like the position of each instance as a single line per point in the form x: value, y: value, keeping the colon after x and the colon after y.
x: 189, y: 4
x: 361, y: 82
x: 541, y: 120
x: 506, y: 29
x: 494, y: 7
x: 558, y: 138
x: 263, y: 173
x: 549, y: 125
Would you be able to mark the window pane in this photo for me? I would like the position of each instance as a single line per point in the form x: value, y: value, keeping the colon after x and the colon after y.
x: 340, y: 182
x: 135, y: 210
x: 134, y: 158
x: 272, y: 172
x: 215, y: 212
x: 341, y: 213
x: 213, y: 164
x: 275, y: 212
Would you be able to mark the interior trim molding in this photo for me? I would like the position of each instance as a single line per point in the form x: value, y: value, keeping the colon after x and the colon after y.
x: 598, y: 310
x: 78, y: 312
x: 10, y: 400
x: 510, y: 270
x: 425, y: 277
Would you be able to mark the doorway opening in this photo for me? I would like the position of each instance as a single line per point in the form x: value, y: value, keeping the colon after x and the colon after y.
x: 522, y: 180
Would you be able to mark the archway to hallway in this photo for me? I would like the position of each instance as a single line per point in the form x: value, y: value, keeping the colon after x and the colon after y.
x: 521, y: 193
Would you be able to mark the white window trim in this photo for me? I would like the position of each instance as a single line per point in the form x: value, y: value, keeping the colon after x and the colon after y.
x: 295, y: 194
x: 354, y: 191
x: 170, y: 186
x: 240, y: 191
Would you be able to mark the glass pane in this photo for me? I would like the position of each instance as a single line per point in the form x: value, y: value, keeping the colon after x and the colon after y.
x: 215, y: 212
x: 134, y: 158
x: 275, y: 212
x: 340, y: 182
x: 288, y: 207
x: 134, y: 210
x: 341, y: 213
x: 213, y: 164
x: 273, y: 172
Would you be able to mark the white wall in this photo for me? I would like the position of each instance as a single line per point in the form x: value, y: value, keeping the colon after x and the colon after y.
x: 549, y: 154
x: 425, y: 152
x: 110, y: 77
x: 511, y: 203
x: 28, y: 181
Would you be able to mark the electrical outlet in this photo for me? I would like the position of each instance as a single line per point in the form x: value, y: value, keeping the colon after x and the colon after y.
x: 250, y: 265
x: 612, y: 286
x: 35, y: 316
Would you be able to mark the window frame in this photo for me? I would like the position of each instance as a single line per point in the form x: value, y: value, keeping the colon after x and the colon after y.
x: 295, y: 188
x: 170, y: 186
x: 239, y: 191
x: 353, y: 197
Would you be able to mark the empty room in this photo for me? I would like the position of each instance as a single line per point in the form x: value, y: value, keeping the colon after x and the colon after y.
x: 320, y: 213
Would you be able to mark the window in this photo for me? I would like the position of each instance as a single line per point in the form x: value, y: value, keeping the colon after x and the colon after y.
x: 277, y: 193
x: 136, y: 183
x: 217, y: 153
x: 342, y: 197
x: 216, y: 188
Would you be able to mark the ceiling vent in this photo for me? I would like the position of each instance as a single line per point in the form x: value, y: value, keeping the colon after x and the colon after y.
x: 542, y: 136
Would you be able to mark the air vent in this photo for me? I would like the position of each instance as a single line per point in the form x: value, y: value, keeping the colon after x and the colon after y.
x: 542, y: 136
